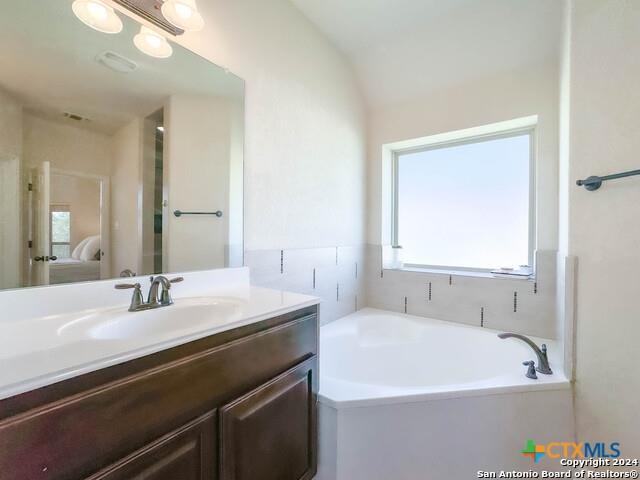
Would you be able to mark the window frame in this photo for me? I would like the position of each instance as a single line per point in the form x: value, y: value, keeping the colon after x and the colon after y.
x: 530, y: 130
x: 54, y: 208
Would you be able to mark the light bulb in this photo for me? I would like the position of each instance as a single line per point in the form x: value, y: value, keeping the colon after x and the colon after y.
x: 184, y: 11
x: 183, y: 14
x: 97, y: 11
x: 152, y: 43
x: 97, y: 15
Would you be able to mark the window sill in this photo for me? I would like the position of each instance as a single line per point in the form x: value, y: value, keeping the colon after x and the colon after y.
x: 462, y: 273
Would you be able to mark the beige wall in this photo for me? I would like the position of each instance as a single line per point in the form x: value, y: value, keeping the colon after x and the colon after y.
x: 10, y: 125
x: 604, y: 227
x: 126, y: 149
x: 66, y: 147
x: 10, y: 190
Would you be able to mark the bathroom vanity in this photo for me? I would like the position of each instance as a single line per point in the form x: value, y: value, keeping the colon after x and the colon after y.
x: 231, y: 400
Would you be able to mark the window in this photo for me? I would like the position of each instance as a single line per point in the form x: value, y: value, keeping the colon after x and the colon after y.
x: 60, y: 231
x: 466, y: 204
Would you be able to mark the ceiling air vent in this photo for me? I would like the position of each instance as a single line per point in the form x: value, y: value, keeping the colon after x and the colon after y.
x: 116, y: 62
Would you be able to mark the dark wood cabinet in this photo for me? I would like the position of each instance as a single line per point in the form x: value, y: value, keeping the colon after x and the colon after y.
x: 270, y: 433
x: 237, y: 405
x: 188, y: 453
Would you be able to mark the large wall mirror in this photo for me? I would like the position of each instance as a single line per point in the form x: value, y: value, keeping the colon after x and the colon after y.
x: 112, y: 162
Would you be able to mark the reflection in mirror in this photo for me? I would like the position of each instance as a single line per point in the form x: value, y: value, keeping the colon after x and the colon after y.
x: 100, y: 144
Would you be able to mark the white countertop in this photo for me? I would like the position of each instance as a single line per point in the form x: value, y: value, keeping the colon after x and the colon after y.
x: 38, y: 350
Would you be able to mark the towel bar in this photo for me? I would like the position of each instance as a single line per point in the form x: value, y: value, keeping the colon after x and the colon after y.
x: 595, y: 182
x: 179, y: 213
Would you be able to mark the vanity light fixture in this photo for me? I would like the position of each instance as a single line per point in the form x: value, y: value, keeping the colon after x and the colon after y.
x: 97, y: 15
x: 152, y: 43
x: 183, y: 14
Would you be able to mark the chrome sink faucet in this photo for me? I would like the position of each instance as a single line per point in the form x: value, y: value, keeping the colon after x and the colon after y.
x: 137, y: 300
x: 543, y: 361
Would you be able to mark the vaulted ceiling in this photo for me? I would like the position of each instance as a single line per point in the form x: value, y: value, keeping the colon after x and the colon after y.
x: 406, y: 49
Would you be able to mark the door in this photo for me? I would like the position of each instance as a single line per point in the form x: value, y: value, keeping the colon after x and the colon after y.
x: 41, y: 187
x: 270, y: 433
x: 188, y: 453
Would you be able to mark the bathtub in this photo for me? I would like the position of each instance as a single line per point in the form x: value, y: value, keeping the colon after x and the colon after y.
x: 406, y: 397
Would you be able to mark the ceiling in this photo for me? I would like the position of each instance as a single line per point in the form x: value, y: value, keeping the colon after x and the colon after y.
x: 48, y: 62
x: 406, y: 49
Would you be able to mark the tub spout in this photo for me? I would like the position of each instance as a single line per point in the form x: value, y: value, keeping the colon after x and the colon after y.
x: 543, y: 361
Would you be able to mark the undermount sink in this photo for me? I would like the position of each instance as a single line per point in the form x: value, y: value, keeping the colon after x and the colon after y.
x: 186, y: 314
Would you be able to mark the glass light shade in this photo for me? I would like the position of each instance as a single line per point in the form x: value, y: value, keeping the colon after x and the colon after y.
x: 152, y: 43
x: 183, y: 14
x: 97, y: 15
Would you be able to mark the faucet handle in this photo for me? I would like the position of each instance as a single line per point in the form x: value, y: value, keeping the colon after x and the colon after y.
x: 531, y: 371
x: 136, y: 299
x: 126, y: 286
x: 165, y: 295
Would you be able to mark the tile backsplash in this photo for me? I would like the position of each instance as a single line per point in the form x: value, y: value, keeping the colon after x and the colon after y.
x: 335, y: 274
x: 520, y: 305
x: 350, y: 278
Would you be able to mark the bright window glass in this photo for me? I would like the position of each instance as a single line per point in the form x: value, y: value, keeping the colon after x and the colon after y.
x: 61, y: 232
x: 466, y: 205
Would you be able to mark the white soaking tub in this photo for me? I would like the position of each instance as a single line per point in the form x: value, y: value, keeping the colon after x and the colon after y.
x: 405, y: 397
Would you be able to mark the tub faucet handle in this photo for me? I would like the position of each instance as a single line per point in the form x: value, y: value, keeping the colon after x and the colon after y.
x: 531, y: 371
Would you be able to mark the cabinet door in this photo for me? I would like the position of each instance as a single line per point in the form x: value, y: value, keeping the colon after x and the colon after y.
x: 188, y: 453
x: 270, y: 433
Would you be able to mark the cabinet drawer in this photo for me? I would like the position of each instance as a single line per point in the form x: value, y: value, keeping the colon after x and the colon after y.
x: 270, y: 433
x: 78, y: 435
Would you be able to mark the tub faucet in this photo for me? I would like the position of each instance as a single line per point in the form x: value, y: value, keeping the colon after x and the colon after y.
x: 543, y: 361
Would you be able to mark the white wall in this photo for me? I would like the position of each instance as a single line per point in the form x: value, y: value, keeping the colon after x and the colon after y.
x: 604, y: 226
x: 304, y: 124
x: 126, y: 151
